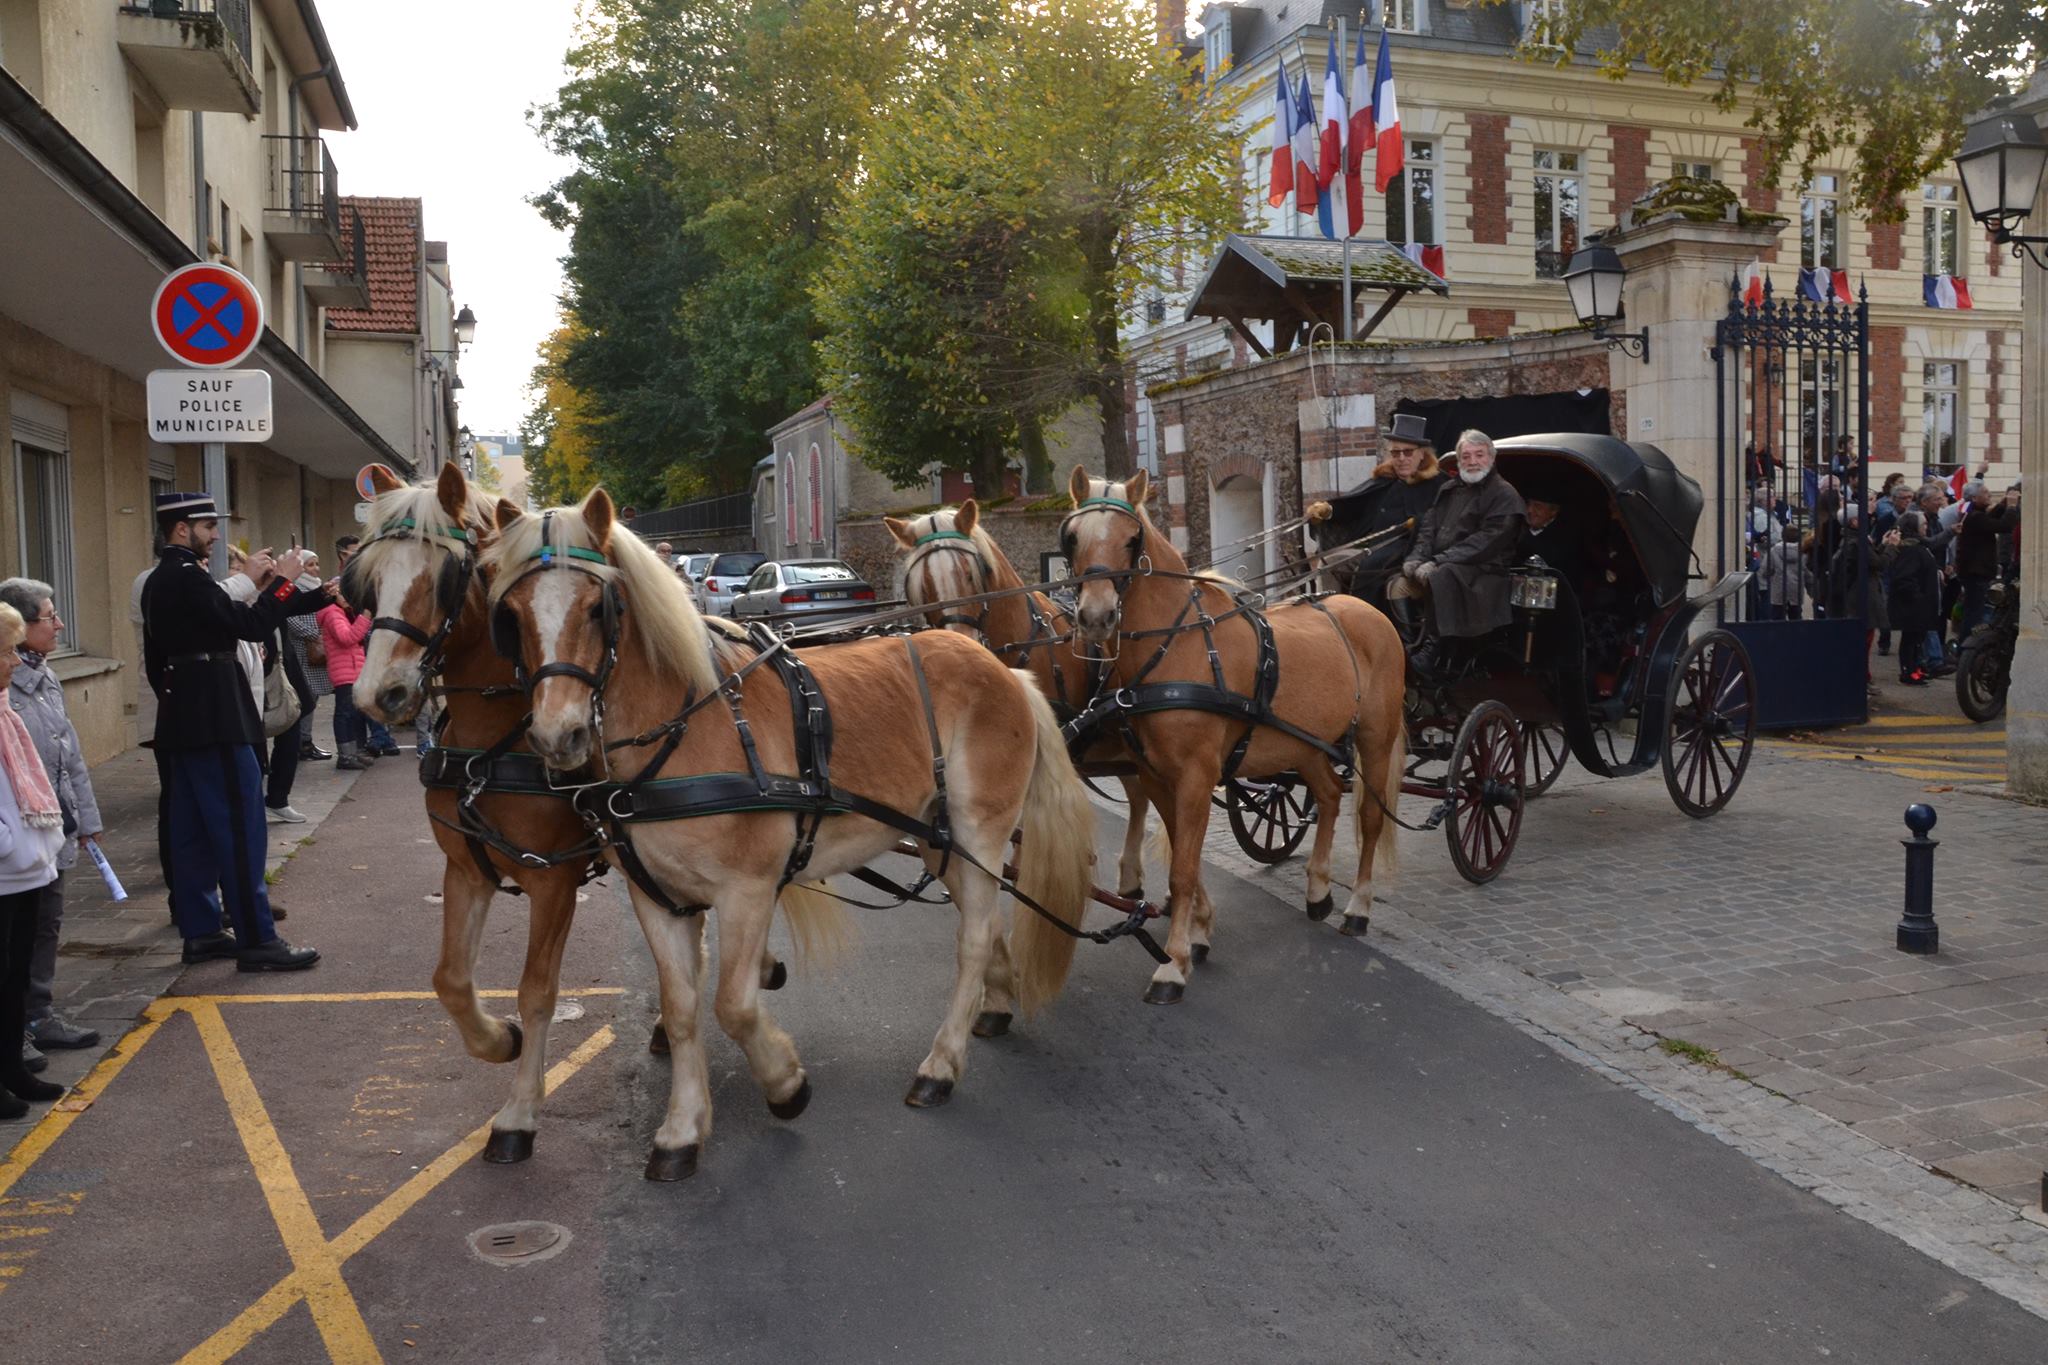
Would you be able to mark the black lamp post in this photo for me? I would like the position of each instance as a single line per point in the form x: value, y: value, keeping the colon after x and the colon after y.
x: 465, y: 326
x: 2001, y: 165
x: 1593, y: 280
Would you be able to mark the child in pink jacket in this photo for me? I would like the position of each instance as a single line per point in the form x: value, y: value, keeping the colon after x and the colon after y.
x: 342, y: 633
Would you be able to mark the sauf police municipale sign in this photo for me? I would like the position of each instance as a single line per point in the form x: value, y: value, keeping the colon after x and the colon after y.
x: 210, y: 318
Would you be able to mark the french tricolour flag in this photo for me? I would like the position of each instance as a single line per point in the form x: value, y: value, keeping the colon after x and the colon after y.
x: 1331, y: 214
x: 1945, y: 291
x: 1305, y: 155
x: 1956, y: 482
x: 1282, y: 182
x: 1430, y: 258
x: 1753, y: 284
x: 1821, y: 284
x: 1388, y: 153
x: 1361, y: 137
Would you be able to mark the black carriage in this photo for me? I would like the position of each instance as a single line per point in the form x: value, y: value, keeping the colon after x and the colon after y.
x: 1604, y: 664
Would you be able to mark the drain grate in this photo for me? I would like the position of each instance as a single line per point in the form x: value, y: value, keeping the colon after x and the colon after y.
x: 519, y: 1243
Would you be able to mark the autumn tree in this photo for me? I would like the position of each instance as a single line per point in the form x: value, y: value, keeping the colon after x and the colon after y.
x: 557, y: 431
x: 1057, y: 168
x: 1894, y: 81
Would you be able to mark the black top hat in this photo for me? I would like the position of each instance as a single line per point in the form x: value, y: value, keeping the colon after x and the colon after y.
x: 187, y: 506
x: 1410, y: 428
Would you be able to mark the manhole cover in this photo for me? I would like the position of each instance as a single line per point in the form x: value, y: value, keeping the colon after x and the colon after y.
x: 565, y: 1010
x: 519, y: 1243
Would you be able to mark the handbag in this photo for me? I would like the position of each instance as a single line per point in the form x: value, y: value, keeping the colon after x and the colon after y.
x: 280, y: 704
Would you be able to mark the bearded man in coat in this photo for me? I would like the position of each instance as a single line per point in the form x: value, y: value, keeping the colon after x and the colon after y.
x: 1460, y: 558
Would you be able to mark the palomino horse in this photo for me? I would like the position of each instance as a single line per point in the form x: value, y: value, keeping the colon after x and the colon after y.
x: 418, y: 577
x: 1335, y: 673
x: 951, y: 556
x: 713, y: 795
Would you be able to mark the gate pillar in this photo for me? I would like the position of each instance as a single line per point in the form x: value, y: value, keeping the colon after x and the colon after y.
x: 2026, y: 703
x: 1679, y: 266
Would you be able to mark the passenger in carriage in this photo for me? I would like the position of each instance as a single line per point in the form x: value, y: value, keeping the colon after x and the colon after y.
x: 1401, y: 490
x: 1459, y: 562
x: 1556, y: 539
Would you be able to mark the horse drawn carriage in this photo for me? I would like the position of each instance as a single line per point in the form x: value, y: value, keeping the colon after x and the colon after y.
x: 1603, y: 664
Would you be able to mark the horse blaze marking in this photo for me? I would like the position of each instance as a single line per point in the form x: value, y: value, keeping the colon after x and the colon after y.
x: 315, y: 1276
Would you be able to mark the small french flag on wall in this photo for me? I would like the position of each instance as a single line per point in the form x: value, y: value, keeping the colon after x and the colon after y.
x: 1945, y: 291
x: 1753, y: 284
x: 1821, y: 284
x: 1430, y: 258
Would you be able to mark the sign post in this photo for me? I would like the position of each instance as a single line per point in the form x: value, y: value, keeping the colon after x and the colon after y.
x: 209, y: 318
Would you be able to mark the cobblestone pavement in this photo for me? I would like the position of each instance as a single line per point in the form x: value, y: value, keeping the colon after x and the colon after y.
x: 1890, y: 1085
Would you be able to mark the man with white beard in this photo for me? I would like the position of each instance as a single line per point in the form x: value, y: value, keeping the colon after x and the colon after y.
x: 1459, y: 560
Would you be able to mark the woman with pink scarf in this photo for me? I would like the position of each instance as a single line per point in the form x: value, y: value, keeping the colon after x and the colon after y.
x: 31, y: 833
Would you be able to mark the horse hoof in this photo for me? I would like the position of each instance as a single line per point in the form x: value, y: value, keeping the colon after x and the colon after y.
x: 794, y: 1105
x: 1165, y: 993
x: 518, y: 1041
x: 777, y: 979
x: 672, y: 1163
x: 1200, y: 952
x: 1320, y: 910
x: 508, y: 1146
x: 1354, y: 926
x: 657, y: 1041
x: 991, y: 1023
x: 926, y: 1093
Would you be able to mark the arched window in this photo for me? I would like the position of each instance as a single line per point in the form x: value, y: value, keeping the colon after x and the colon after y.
x: 789, y: 499
x: 817, y: 493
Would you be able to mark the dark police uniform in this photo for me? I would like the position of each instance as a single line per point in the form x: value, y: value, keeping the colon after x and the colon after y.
x: 208, y: 730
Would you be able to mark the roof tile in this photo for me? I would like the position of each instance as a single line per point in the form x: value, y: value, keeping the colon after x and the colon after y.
x: 391, y: 244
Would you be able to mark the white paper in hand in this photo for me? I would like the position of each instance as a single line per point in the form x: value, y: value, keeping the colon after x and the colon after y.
x: 99, y: 860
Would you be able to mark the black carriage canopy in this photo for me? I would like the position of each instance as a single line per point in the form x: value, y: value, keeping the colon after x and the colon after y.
x: 1659, y: 505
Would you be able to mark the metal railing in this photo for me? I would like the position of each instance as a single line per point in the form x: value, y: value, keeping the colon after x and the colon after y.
x: 355, y: 260
x: 302, y: 179
x: 232, y: 15
x: 728, y: 513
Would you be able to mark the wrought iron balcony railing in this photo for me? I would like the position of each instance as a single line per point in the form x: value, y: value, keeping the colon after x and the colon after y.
x: 231, y: 15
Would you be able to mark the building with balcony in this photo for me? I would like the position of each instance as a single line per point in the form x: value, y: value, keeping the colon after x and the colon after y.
x: 136, y: 138
x: 1510, y: 164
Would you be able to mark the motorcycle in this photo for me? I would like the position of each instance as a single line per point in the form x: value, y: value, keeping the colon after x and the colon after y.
x: 1984, y: 668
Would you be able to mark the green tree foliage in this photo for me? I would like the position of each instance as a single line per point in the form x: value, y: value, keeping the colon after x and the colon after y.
x: 1056, y: 167
x: 711, y: 142
x: 557, y: 431
x: 1892, y: 79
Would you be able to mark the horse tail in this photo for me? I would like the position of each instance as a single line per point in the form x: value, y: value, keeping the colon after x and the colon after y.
x: 818, y: 923
x: 1054, y: 861
x: 1384, y: 801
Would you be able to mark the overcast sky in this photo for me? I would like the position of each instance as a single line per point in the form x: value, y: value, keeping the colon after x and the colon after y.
x: 441, y: 89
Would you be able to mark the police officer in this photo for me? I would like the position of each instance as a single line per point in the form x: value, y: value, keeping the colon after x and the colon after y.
x: 207, y: 733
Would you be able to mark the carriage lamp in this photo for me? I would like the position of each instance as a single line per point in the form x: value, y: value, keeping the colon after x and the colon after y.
x: 2001, y: 164
x: 1593, y: 280
x: 465, y: 326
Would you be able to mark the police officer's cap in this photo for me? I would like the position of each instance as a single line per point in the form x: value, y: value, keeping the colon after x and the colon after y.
x: 186, y: 507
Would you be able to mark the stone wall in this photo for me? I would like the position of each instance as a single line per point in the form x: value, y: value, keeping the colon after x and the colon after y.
x: 865, y: 543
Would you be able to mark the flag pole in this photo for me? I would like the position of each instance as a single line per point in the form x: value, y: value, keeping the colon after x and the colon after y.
x: 1340, y: 171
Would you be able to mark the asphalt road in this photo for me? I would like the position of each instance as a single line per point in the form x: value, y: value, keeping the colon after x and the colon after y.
x: 1318, y: 1157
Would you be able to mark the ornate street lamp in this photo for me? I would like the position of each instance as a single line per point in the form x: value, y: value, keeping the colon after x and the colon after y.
x: 465, y: 326
x: 1593, y: 280
x: 2001, y: 164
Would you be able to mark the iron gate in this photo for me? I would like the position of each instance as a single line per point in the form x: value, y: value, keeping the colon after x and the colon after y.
x: 1792, y: 426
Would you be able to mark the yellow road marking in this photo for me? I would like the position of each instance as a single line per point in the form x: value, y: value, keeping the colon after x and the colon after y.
x: 335, y: 1311
x: 61, y: 1117
x: 280, y: 1298
x: 1907, y: 722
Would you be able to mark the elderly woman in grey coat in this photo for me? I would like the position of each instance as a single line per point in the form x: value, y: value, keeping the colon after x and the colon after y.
x: 38, y: 698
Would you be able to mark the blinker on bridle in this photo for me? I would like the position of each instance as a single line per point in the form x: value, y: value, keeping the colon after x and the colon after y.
x: 1141, y: 563
x: 942, y: 540
x: 431, y: 645
x: 504, y: 635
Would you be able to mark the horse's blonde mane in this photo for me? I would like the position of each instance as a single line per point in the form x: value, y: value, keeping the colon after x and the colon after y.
x: 665, y: 619
x: 420, y: 503
x: 1103, y: 488
x: 993, y: 560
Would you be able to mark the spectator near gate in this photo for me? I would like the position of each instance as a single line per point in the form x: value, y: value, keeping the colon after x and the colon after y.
x: 1977, y: 550
x: 38, y: 698
x: 208, y: 728
x: 1912, y: 593
x: 31, y: 834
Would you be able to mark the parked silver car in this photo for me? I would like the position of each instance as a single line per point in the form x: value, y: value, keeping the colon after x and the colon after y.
x: 725, y: 578
x: 803, y: 591
x: 692, y: 568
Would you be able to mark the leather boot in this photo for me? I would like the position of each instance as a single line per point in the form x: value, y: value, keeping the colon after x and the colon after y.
x: 350, y: 761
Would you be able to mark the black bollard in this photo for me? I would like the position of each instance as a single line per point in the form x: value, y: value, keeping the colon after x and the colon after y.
x: 1918, y: 932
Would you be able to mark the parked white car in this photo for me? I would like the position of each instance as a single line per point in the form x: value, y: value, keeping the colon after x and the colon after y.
x: 691, y: 568
x: 726, y: 578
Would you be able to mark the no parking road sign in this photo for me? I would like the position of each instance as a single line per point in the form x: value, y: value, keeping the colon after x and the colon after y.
x: 207, y: 315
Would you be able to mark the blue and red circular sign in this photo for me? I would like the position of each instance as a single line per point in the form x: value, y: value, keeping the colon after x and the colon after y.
x: 207, y: 315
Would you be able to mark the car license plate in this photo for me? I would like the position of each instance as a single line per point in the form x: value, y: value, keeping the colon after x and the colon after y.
x: 831, y: 596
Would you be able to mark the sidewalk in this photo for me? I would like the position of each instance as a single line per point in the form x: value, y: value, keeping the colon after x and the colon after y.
x: 114, y: 959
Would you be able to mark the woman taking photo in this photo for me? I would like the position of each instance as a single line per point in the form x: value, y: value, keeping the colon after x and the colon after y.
x: 31, y: 833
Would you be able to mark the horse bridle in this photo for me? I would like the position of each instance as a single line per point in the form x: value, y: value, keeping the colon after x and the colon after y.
x: 938, y: 541
x: 505, y: 627
x: 449, y: 597
x: 1141, y: 563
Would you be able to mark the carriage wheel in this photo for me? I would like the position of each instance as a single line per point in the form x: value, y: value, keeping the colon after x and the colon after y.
x: 1545, y: 753
x: 1711, y: 726
x: 1271, y: 817
x: 1485, y: 788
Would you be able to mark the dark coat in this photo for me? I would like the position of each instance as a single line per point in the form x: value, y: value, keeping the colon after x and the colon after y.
x: 1382, y: 502
x: 1913, y: 588
x: 1561, y: 545
x: 1977, y: 539
x: 1470, y: 534
x: 190, y: 629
